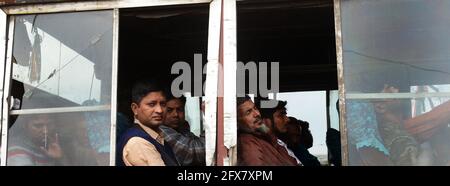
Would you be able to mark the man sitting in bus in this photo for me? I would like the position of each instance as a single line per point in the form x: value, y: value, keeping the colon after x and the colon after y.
x: 188, y: 148
x: 294, y: 139
x: 257, y: 146
x: 34, y: 142
x: 143, y: 144
x: 404, y: 135
x: 276, y: 120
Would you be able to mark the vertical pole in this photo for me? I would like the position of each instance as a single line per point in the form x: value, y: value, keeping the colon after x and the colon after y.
x: 3, y: 46
x: 221, y: 151
x: 328, y: 109
x: 114, y: 76
x: 340, y: 67
x: 6, y: 91
x: 211, y: 82
x: 229, y: 82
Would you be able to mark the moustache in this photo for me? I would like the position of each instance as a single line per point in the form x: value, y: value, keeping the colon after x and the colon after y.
x: 257, y: 120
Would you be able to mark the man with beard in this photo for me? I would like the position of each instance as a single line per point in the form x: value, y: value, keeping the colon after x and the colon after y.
x: 257, y: 146
x: 276, y: 120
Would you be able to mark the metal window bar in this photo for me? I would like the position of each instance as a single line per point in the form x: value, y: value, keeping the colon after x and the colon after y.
x: 229, y: 80
x: 115, y: 62
x: 220, y: 148
x: 211, y: 82
x: 7, y: 89
x: 3, y: 46
x: 60, y: 110
x: 396, y: 95
x: 341, y: 83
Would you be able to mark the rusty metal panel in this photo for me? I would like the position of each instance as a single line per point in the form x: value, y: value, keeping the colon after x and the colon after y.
x: 72, y: 6
x: 341, y: 83
x: 16, y: 2
x: 221, y: 150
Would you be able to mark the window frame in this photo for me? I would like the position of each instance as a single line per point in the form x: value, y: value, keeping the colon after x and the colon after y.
x: 6, y: 90
x: 91, y: 5
x: 9, y: 12
x: 6, y: 102
x: 341, y: 83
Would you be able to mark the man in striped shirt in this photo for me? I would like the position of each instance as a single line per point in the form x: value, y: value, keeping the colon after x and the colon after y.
x: 189, y: 149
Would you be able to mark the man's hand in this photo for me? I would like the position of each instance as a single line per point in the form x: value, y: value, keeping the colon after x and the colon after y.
x: 54, y: 149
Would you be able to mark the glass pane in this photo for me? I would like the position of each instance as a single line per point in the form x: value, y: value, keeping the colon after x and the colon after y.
x: 57, y: 64
x: 397, y: 50
x: 334, y: 109
x: 63, y: 59
x: 60, y: 139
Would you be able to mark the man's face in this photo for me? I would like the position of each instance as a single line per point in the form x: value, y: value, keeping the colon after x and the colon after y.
x: 151, y: 109
x: 174, y: 115
x: 388, y: 105
x: 249, y: 118
x: 37, y: 128
x: 280, y: 118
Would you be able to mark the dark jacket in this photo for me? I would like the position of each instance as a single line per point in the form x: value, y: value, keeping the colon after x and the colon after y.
x: 304, y: 156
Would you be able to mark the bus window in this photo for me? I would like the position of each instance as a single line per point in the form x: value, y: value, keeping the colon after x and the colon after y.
x: 152, y: 41
x: 299, y: 38
x: 396, y: 76
x: 61, y: 89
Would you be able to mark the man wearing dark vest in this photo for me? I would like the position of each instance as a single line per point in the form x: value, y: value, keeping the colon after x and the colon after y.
x: 143, y: 144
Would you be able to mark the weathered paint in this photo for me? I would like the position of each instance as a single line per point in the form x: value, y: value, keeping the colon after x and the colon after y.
x: 6, y: 92
x: 211, y: 82
x: 91, y: 5
x: 229, y: 80
x: 3, y: 46
x: 341, y: 85
x: 16, y: 2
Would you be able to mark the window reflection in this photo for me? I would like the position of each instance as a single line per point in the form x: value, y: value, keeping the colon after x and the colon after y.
x: 65, y: 61
x: 397, y: 73
x: 55, y: 139
x: 61, y: 60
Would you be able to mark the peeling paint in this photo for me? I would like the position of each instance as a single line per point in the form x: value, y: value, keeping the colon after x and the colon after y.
x: 341, y: 84
x: 84, y: 5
